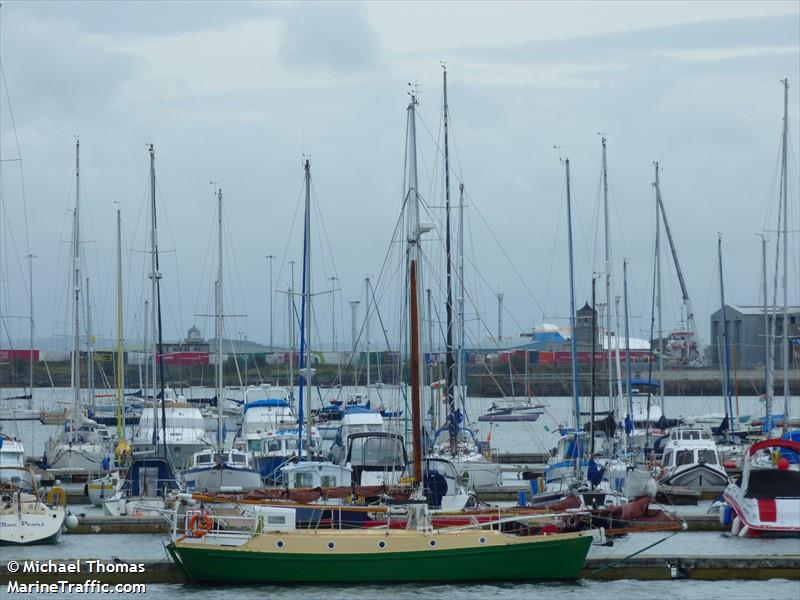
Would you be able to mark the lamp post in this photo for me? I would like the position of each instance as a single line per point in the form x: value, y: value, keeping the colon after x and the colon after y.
x: 270, y: 257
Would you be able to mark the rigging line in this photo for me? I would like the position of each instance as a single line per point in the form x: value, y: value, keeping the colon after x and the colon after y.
x: 233, y: 266
x: 398, y: 225
x: 289, y: 233
x: 775, y: 178
x: 321, y: 221
x: 165, y: 214
x: 556, y: 238
x: 505, y: 254
x: 131, y: 253
x: 19, y: 156
x: 203, y: 275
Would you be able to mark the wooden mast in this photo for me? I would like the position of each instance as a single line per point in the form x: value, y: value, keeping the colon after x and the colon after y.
x: 413, y: 238
x: 452, y: 425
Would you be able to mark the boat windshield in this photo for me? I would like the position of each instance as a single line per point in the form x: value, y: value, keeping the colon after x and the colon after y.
x: 304, y: 480
x: 684, y: 457
x: 376, y: 452
x: 773, y: 483
x: 707, y: 456
x: 11, y: 459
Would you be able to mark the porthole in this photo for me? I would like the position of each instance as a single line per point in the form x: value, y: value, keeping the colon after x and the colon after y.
x: 279, y: 544
x: 481, y: 540
x: 433, y: 543
x: 382, y: 544
x: 331, y: 545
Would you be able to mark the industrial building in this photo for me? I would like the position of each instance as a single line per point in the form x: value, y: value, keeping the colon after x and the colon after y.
x: 747, y: 337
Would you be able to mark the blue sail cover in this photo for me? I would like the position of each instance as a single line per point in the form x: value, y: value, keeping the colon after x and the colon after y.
x: 269, y: 402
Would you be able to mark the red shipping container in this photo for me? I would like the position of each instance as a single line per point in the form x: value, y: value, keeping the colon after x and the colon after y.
x: 6, y: 356
x: 184, y: 359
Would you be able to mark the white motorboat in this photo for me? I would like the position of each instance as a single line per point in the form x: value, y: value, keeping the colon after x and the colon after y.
x: 213, y: 471
x: 277, y: 448
x: 183, y: 430
x: 691, y: 460
x: 766, y: 500
x: 12, y: 464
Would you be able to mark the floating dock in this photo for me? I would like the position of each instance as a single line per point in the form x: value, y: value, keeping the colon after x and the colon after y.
x: 103, y: 524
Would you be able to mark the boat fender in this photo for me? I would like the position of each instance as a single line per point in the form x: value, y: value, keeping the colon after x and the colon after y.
x: 56, y: 495
x: 736, y: 525
x: 745, y: 531
x: 725, y: 514
x: 200, y: 524
x: 71, y: 522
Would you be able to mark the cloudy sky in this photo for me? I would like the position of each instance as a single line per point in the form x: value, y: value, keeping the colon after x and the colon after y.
x: 237, y: 93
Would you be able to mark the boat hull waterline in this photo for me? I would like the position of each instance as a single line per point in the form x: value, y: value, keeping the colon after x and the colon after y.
x: 380, y: 556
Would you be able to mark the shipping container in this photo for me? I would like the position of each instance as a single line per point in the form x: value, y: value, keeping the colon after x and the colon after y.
x: 186, y: 359
x: 7, y: 356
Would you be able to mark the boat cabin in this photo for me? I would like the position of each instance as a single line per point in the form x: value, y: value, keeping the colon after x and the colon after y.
x: 210, y: 457
x: 771, y: 471
x: 316, y: 475
x: 688, y: 446
x: 376, y: 458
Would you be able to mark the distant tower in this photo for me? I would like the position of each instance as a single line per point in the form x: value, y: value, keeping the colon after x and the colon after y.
x: 194, y: 334
x: 583, y: 327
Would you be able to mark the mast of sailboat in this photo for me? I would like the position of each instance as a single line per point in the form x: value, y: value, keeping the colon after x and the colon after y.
x: 290, y: 308
x: 145, y: 346
x: 607, y: 236
x: 155, y: 290
x: 218, y: 323
x: 767, y: 342
x: 366, y: 336
x: 432, y: 404
x: 573, y: 341
x: 413, y: 234
x: 787, y: 357
x: 76, y: 290
x: 461, y: 328
x: 658, y: 299
x: 305, y: 317
x: 452, y: 426
x: 627, y: 345
x: 617, y: 361
x: 726, y: 348
x: 30, y: 258
x: 120, y: 346
x: 591, y: 378
x: 89, y: 349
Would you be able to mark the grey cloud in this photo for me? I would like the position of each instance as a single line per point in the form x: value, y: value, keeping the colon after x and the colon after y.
x: 146, y: 17
x: 727, y: 33
x: 336, y: 36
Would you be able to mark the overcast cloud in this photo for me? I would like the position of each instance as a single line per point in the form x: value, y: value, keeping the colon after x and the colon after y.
x: 236, y: 93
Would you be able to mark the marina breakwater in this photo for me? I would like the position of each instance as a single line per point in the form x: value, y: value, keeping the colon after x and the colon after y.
x: 487, y: 380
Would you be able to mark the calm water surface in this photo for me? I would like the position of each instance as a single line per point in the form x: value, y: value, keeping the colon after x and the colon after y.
x: 582, y: 590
